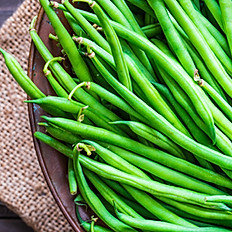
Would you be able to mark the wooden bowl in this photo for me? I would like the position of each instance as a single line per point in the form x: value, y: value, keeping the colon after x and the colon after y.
x: 53, y: 164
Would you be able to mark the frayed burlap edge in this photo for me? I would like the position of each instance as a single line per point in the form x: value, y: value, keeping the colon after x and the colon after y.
x: 22, y: 186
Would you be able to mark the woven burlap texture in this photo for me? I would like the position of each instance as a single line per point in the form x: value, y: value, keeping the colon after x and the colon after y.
x: 22, y: 186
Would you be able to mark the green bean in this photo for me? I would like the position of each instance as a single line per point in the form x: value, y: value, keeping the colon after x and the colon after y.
x: 79, y: 66
x: 226, y: 18
x: 153, y: 96
x: 57, y: 5
x: 224, y: 223
x: 224, y: 106
x: 98, y: 79
x: 199, y: 211
x: 117, y: 187
x: 220, y: 119
x: 150, y: 225
x: 87, y: 226
x: 215, y: 11
x: 201, y: 45
x: 141, y: 197
x: 96, y: 48
x: 216, y: 199
x: 75, y: 27
x: 142, y: 5
x: 172, y: 36
x: 26, y: 83
x: 155, y: 208
x: 203, y: 70
x: 209, y: 39
x: 114, y: 12
x: 92, y: 32
x: 115, y: 160
x: 175, y: 70
x: 141, y: 106
x: 115, y: 100
x: 65, y: 79
x: 216, y: 33
x: 116, y: 49
x: 53, y: 82
x: 196, y: 132
x: 122, y: 6
x: 152, y: 30
x: 110, y: 195
x: 139, y: 208
x: 96, y: 205
x: 94, y: 133
x: 150, y: 186
x: 20, y: 76
x: 60, y: 134
x: 221, y: 140
x: 154, y: 137
x: 164, y: 173
x: 71, y: 178
x: 75, y: 107
x: 151, y: 92
x: 122, y: 14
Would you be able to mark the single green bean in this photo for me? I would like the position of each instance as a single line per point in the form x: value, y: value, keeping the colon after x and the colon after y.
x: 20, y: 76
x: 71, y: 178
x: 224, y: 223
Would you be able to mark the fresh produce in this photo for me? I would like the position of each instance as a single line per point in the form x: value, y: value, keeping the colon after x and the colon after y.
x: 145, y: 119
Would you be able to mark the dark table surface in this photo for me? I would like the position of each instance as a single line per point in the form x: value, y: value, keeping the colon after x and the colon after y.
x: 9, y: 222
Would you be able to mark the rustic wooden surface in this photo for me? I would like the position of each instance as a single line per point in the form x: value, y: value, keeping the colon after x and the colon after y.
x: 9, y: 222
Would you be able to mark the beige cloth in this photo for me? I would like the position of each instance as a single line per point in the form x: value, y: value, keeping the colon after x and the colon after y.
x: 22, y: 186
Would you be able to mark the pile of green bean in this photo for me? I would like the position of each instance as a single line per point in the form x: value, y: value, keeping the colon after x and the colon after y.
x: 145, y: 119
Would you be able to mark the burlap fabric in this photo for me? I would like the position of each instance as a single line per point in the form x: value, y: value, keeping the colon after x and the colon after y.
x: 22, y: 186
